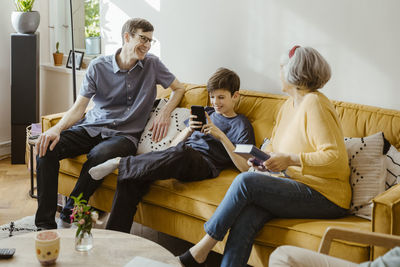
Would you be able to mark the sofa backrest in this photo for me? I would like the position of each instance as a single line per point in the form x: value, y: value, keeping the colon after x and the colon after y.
x: 262, y: 108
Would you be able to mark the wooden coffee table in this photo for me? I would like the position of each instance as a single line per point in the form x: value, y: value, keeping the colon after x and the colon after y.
x: 110, y: 248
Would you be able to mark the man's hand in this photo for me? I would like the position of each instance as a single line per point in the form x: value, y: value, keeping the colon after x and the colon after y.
x: 281, y: 161
x: 161, y: 122
x: 210, y: 128
x: 160, y: 126
x: 51, y: 136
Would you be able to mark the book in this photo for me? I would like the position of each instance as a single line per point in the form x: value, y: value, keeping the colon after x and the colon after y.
x: 251, y: 151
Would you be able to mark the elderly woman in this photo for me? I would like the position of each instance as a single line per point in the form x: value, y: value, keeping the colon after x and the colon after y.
x: 309, y: 175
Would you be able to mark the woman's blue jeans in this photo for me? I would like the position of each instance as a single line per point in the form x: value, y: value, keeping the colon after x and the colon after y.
x: 252, y: 200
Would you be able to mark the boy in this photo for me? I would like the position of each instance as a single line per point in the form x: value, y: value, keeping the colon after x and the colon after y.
x: 199, y: 152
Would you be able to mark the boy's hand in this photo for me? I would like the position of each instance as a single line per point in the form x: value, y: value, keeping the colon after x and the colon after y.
x: 210, y: 128
x: 193, y: 124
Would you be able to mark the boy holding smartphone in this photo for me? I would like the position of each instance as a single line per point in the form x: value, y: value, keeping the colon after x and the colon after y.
x: 200, y: 151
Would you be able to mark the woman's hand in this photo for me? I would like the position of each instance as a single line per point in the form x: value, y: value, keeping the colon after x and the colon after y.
x: 281, y: 161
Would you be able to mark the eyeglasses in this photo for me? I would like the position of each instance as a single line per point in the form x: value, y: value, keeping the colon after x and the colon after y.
x: 144, y: 39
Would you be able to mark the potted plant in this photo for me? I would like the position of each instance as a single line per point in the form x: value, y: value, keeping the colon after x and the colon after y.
x: 24, y: 20
x: 92, y: 27
x: 57, y: 56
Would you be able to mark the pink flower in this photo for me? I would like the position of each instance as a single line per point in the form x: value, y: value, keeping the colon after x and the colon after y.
x: 81, y: 221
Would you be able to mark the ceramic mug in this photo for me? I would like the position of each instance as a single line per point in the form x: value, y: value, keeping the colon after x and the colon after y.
x: 47, y: 245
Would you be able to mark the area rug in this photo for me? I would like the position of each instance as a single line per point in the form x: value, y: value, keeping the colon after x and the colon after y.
x: 21, y: 226
x: 27, y: 225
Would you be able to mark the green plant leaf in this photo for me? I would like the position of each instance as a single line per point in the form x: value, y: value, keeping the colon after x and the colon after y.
x: 57, y: 46
x: 24, y: 5
x: 78, y: 231
x: 92, y: 18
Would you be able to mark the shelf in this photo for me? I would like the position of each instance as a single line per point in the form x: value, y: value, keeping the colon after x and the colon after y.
x: 51, y: 67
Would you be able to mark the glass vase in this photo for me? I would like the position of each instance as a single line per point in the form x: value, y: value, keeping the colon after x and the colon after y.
x: 84, y: 241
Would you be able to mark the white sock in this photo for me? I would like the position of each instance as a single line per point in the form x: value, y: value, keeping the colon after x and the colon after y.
x: 105, y: 168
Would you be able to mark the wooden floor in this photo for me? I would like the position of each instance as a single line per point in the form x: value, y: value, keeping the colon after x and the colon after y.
x: 15, y: 202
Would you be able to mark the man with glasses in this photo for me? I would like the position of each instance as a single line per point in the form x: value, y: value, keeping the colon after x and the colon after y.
x: 123, y: 89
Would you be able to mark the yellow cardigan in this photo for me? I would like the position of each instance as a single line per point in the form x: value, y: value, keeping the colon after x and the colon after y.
x: 313, y: 131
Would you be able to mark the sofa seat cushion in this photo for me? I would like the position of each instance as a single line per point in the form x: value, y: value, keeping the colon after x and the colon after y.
x: 200, y: 199
x: 73, y: 166
x: 306, y: 232
x: 192, y: 198
x: 197, y: 199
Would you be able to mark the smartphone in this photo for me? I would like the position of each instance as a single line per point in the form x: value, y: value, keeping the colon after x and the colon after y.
x: 199, y: 112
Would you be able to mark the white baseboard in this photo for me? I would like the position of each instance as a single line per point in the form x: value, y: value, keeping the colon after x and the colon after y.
x: 5, y: 149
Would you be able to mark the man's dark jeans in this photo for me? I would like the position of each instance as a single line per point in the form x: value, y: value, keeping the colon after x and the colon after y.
x: 137, y: 173
x: 74, y: 142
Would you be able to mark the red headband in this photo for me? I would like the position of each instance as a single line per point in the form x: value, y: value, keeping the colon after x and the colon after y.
x: 291, y: 52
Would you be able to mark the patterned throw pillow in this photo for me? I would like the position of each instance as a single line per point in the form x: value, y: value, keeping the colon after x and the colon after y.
x: 368, y: 171
x: 392, y: 167
x: 178, y: 116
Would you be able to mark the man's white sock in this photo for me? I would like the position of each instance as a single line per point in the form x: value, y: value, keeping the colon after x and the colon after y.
x: 101, y: 170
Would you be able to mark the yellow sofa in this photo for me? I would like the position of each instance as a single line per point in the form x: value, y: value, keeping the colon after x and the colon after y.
x: 180, y: 209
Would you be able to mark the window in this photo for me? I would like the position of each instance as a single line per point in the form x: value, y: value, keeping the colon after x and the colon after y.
x: 86, y: 18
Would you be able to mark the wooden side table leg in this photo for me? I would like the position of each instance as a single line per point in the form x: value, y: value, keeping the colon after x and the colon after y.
x: 31, y: 192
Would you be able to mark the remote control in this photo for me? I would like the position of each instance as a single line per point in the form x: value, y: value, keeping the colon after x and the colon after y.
x: 6, y: 253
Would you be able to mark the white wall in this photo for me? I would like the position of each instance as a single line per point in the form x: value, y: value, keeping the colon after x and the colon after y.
x: 6, y: 29
x: 359, y: 38
x: 56, y: 93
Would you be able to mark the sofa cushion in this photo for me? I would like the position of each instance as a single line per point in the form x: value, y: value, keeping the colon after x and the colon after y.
x: 367, y: 171
x: 392, y: 167
x: 303, y: 231
x: 361, y: 120
x: 261, y: 111
x: 177, y: 124
x: 194, y: 95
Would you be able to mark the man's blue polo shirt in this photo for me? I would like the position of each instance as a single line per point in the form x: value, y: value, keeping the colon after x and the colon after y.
x: 123, y: 98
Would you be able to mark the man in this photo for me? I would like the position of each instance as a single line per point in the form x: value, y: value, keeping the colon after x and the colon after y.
x: 123, y: 89
x: 198, y: 154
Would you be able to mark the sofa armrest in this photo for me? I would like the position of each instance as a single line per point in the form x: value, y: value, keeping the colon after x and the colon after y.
x: 386, y: 215
x: 386, y: 212
x: 49, y: 121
